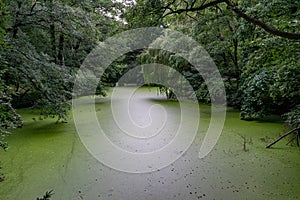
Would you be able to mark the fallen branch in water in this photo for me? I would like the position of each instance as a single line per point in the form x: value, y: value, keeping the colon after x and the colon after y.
x: 283, y: 136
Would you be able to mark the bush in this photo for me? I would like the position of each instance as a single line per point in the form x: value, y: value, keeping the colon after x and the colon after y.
x: 293, y: 117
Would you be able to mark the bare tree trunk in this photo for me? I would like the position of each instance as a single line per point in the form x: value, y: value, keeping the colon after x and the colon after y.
x: 235, y: 62
x: 60, y: 56
x: 52, y: 33
x: 16, y: 22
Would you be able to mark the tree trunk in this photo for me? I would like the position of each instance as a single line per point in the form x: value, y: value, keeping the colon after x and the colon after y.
x: 235, y: 62
x: 52, y: 33
x: 60, y: 56
x: 16, y: 22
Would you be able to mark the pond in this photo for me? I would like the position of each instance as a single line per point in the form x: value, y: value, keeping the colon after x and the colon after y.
x: 44, y: 155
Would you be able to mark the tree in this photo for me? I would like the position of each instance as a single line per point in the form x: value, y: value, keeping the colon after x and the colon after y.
x: 47, y: 41
x: 238, y: 7
x: 271, y: 67
x: 8, y: 117
x: 216, y: 31
x: 254, y: 43
x: 3, y: 23
x: 42, y: 44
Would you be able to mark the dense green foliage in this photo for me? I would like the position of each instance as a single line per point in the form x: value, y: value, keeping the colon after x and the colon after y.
x: 253, y: 43
x: 271, y: 78
x: 45, y: 43
x: 42, y: 44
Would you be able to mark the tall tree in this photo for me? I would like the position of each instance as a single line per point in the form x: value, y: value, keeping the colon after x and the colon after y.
x: 255, y: 44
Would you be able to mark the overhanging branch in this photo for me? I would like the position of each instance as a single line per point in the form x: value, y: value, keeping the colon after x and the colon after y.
x: 192, y: 9
x: 263, y: 25
x: 240, y: 13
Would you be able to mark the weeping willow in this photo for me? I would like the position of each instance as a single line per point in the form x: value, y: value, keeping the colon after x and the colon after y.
x: 157, y: 71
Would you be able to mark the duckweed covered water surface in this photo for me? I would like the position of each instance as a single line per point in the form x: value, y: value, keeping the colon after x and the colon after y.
x: 44, y: 155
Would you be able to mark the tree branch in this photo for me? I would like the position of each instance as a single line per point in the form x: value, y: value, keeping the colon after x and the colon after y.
x: 283, y: 136
x: 192, y: 9
x: 240, y: 13
x: 263, y: 25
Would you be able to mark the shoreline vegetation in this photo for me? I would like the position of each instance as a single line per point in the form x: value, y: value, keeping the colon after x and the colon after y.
x: 244, y: 54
